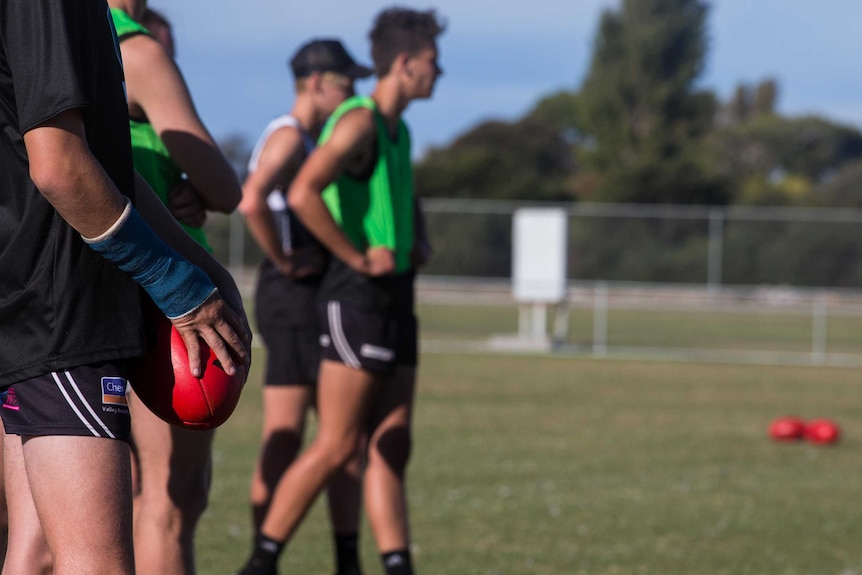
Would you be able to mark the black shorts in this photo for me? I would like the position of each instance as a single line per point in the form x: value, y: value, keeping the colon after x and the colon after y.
x: 365, y: 339
x: 283, y: 302
x: 292, y: 356
x: 286, y: 313
x: 83, y: 401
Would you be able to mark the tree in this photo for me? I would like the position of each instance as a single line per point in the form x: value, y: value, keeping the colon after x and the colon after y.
x: 775, y: 160
x: 525, y: 160
x: 641, y: 109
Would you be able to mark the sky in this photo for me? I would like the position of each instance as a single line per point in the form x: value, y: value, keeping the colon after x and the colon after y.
x: 501, y: 57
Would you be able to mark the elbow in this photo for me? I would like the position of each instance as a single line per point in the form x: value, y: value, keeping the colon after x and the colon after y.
x: 52, y: 179
x: 250, y: 206
x: 297, y: 199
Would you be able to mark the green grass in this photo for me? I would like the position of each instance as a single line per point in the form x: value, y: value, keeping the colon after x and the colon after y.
x: 657, y: 329
x: 540, y: 466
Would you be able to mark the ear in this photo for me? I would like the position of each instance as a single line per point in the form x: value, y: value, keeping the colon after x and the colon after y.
x: 402, y: 63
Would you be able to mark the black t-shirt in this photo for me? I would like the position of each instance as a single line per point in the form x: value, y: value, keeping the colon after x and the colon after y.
x: 61, y: 304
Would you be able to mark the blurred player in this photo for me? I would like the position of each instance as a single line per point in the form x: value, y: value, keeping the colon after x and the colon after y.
x: 74, y: 246
x: 355, y: 194
x: 168, y: 141
x: 285, y: 301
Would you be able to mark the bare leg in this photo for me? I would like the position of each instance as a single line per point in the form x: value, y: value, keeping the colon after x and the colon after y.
x: 343, y: 399
x: 82, y: 490
x: 28, y: 550
x: 284, y: 409
x: 388, y: 452
x: 174, y: 467
x: 4, y: 510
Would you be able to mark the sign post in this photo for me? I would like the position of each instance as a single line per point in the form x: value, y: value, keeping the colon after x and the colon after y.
x: 540, y: 237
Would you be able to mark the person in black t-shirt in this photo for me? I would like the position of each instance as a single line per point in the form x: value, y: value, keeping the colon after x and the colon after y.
x: 74, y: 250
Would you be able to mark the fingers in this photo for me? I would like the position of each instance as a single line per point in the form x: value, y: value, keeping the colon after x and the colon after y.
x: 381, y: 261
x: 195, y: 218
x: 224, y: 331
x: 193, y: 347
x: 302, y: 263
x: 222, y: 342
x: 186, y: 205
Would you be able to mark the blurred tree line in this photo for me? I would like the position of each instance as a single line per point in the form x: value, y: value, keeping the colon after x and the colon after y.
x: 641, y: 130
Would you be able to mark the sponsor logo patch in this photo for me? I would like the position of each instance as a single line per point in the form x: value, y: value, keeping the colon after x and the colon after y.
x: 114, y: 391
x: 11, y: 400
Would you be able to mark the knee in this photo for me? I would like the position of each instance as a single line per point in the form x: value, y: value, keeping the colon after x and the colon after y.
x: 336, y: 454
x: 393, y: 448
x: 189, y: 497
x: 177, y: 508
x: 278, y: 452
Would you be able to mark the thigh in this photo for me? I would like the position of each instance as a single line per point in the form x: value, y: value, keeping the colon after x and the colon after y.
x: 167, y: 456
x: 344, y: 398
x: 393, y: 405
x: 82, y: 485
x: 26, y: 540
x: 285, y: 407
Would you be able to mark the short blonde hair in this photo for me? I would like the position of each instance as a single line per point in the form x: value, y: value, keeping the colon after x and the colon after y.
x: 335, y: 77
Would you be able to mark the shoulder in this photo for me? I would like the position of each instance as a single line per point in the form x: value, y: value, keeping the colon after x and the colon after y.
x: 285, y: 141
x: 143, y: 47
x: 356, y: 112
x: 356, y: 119
x: 353, y: 135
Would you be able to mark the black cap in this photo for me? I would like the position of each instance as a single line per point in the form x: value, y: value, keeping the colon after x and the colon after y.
x: 326, y: 56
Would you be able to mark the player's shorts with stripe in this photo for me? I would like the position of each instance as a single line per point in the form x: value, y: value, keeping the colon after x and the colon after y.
x: 367, y: 323
x: 88, y: 401
x: 286, y: 313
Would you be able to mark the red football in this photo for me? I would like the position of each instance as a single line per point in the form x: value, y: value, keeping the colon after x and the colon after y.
x: 787, y: 429
x: 822, y: 431
x: 164, y: 384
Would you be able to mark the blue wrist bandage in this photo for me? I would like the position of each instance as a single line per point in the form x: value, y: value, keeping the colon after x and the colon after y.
x: 176, y: 286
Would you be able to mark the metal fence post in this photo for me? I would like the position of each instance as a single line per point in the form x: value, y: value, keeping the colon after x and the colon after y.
x: 716, y: 250
x: 820, y: 314
x: 236, y: 244
x: 600, y: 319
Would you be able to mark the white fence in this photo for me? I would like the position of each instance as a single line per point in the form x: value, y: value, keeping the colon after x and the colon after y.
x: 649, y: 281
x: 765, y: 325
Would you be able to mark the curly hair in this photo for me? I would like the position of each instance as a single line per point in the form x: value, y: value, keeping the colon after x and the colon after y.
x: 398, y: 30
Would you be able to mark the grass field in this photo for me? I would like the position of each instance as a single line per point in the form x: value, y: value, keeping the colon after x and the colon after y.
x: 784, y: 332
x: 537, y: 465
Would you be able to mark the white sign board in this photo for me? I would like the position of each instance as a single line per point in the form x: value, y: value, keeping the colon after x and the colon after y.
x: 539, y: 255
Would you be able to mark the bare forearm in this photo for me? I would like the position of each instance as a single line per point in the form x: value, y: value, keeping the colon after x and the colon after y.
x: 261, y: 225
x: 166, y: 227
x: 207, y: 169
x: 70, y: 178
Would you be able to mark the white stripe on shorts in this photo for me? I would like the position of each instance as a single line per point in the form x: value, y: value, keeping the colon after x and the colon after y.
x: 87, y: 405
x: 342, y: 346
x: 72, y: 405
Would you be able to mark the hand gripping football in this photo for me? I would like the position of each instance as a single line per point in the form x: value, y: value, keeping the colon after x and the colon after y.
x: 165, y: 385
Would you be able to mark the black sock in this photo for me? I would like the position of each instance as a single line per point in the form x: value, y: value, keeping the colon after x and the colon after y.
x: 264, y: 558
x: 347, y: 554
x: 398, y: 562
